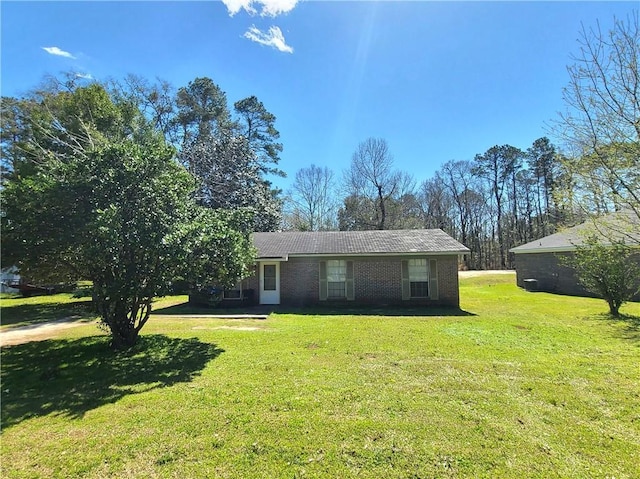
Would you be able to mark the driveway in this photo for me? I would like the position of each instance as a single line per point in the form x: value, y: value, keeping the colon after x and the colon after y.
x: 473, y: 274
x: 38, y: 332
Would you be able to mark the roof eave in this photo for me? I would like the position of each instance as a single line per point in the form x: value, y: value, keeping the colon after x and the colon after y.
x: 388, y: 254
x: 554, y: 249
x: 550, y: 249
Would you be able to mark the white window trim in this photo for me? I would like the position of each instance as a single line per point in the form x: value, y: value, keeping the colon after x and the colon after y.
x: 340, y: 275
x: 422, y: 278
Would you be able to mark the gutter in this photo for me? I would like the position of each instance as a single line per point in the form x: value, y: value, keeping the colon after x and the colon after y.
x: 362, y: 255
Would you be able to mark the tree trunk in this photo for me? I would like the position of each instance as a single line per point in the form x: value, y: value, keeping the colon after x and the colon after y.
x: 123, y: 335
x: 614, y: 308
x: 124, y: 320
x: 383, y: 209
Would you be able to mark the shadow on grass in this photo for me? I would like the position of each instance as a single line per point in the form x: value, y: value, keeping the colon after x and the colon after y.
x: 71, y: 377
x: 186, y: 309
x: 27, y: 314
x: 631, y: 324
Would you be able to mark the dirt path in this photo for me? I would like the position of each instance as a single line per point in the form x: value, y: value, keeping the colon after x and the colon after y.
x: 38, y: 332
x: 42, y: 331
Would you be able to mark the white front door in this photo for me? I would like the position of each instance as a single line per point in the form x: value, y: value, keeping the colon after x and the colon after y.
x: 270, y: 283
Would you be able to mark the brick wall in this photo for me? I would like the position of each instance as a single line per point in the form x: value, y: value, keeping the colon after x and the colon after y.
x: 377, y: 280
x: 299, y: 281
x: 550, y: 272
x: 552, y: 276
x: 448, y: 280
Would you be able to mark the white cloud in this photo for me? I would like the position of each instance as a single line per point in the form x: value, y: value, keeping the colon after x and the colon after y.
x: 84, y: 76
x: 270, y: 8
x: 272, y: 38
x: 58, y: 52
x: 234, y: 6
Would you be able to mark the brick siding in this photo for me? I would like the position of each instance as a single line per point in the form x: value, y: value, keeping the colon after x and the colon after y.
x: 377, y: 280
x: 299, y: 282
x: 551, y: 274
x: 448, y: 285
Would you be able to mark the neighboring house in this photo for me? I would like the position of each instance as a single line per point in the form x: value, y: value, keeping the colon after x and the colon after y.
x: 411, y: 267
x: 542, y: 260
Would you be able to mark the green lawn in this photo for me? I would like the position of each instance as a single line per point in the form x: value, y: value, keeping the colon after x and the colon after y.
x: 525, y: 385
x: 17, y: 311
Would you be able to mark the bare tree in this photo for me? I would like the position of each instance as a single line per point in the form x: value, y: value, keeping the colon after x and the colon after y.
x: 458, y: 178
x: 372, y: 181
x: 156, y: 101
x: 436, y: 205
x: 312, y: 200
x: 601, y: 125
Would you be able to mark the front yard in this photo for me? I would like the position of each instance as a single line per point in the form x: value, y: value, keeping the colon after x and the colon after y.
x: 522, y: 385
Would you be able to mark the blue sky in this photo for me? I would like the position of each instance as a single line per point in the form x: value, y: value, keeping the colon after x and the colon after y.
x: 437, y: 80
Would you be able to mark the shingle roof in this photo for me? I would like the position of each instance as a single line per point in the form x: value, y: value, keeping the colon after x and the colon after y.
x: 607, y: 228
x: 563, y: 241
x: 290, y: 243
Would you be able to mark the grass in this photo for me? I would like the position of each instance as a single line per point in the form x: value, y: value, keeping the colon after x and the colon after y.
x: 16, y: 311
x: 524, y: 385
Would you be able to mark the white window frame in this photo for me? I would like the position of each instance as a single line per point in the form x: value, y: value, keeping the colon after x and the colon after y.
x: 418, y: 273
x: 336, y: 274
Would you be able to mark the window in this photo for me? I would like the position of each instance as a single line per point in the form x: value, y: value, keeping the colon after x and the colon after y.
x: 336, y: 279
x: 233, y: 293
x: 269, y: 277
x: 419, y: 278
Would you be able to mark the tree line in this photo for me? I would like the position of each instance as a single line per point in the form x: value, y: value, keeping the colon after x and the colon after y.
x: 502, y: 198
